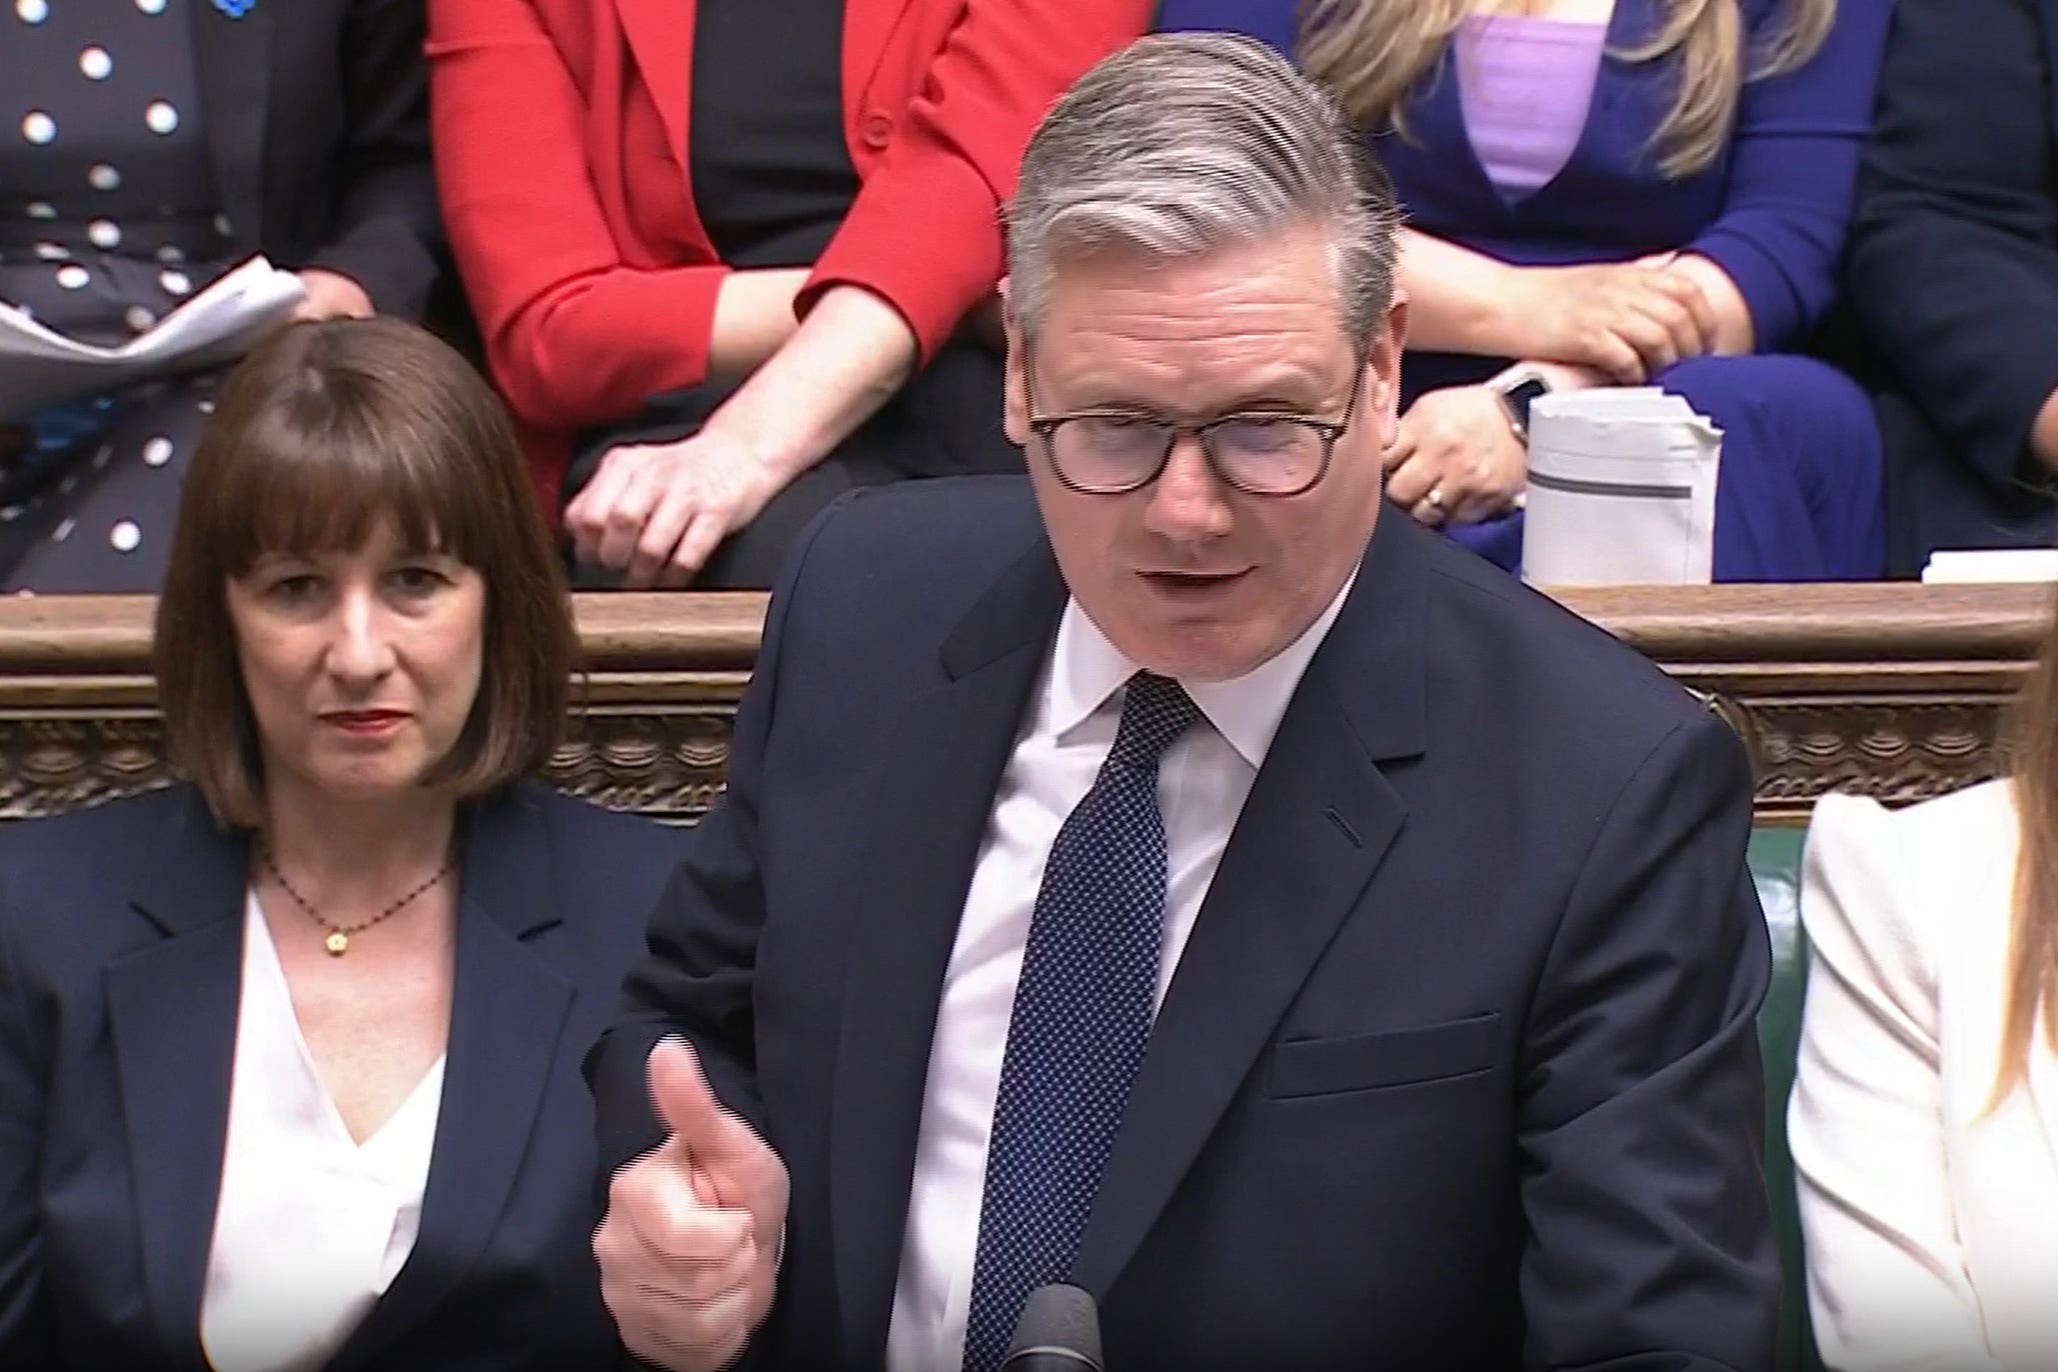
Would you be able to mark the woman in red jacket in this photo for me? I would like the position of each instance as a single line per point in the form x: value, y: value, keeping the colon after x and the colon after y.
x: 722, y: 251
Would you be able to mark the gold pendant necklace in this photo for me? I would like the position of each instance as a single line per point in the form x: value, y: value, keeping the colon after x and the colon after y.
x: 338, y: 941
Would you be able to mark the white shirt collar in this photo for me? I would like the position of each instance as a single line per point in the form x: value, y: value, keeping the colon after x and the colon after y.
x: 1086, y: 669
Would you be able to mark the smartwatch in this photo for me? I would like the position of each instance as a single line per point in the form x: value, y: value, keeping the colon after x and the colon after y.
x: 1517, y: 390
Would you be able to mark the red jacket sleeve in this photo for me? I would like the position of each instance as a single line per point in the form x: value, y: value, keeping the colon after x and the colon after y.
x: 574, y: 335
x: 925, y: 231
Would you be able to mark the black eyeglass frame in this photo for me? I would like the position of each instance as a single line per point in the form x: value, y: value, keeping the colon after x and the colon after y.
x: 1043, y: 426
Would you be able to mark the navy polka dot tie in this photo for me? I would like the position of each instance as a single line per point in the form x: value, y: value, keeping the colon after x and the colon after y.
x: 1082, y: 1015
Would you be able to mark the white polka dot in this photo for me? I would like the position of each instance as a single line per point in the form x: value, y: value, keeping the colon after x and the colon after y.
x: 32, y: 11
x: 160, y: 116
x: 105, y: 233
x: 222, y: 225
x: 175, y: 282
x: 72, y: 277
x: 102, y: 177
x: 168, y: 254
x: 125, y: 536
x: 151, y: 6
x: 95, y: 64
x: 64, y: 531
x: 38, y: 127
x: 139, y: 319
x: 53, y: 252
x: 11, y: 513
x: 42, y: 209
x: 157, y: 451
x: 207, y: 407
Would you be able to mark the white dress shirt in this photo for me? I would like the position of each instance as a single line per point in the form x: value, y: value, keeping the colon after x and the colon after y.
x: 1203, y: 780
x: 311, y: 1227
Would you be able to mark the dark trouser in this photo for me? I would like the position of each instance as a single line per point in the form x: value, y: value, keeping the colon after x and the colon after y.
x: 945, y: 422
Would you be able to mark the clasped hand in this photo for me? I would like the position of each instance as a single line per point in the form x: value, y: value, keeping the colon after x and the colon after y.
x: 1627, y: 320
x: 656, y: 511
x: 688, y: 1250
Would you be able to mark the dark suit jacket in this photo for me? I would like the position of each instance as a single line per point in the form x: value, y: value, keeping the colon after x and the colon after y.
x: 318, y: 130
x: 1457, y: 1070
x: 120, y: 970
x: 1953, y: 270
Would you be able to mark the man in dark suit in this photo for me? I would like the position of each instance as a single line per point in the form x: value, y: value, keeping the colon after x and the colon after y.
x: 1176, y: 875
x: 1953, y: 275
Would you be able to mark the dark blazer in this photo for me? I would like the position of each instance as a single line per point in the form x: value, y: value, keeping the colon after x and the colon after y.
x: 318, y: 130
x: 1457, y: 1070
x: 121, y: 938
x: 1953, y: 271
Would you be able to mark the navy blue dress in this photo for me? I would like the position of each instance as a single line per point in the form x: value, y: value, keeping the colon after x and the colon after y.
x: 1799, y: 498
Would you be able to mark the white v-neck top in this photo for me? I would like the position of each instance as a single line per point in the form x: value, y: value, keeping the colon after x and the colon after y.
x: 311, y: 1227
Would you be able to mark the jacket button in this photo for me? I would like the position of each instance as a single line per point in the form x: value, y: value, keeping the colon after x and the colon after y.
x: 876, y: 130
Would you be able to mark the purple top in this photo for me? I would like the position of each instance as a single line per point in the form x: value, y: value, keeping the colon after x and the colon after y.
x: 1525, y: 83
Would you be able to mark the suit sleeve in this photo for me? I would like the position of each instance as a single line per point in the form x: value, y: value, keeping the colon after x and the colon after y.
x: 389, y: 233
x: 1886, y: 1273
x: 1954, y: 251
x: 574, y: 334
x: 27, y: 1341
x: 1641, y: 1114
x: 953, y: 158
x: 696, y: 974
x: 1792, y: 177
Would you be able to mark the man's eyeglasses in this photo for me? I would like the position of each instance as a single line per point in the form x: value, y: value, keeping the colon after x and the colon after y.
x: 1112, y: 452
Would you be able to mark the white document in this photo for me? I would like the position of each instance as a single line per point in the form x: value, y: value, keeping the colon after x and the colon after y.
x: 1955, y: 566
x: 40, y: 367
x: 1621, y: 489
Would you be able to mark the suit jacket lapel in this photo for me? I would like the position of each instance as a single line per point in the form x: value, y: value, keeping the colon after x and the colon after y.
x: 866, y: 30
x: 942, y: 764
x: 1319, y: 818
x: 660, y: 34
x: 508, y: 1012
x: 235, y: 63
x: 172, y: 1008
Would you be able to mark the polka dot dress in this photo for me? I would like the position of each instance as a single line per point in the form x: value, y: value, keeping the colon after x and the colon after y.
x: 108, y: 221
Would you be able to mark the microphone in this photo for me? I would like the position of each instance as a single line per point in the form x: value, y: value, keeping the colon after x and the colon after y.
x: 1059, y: 1332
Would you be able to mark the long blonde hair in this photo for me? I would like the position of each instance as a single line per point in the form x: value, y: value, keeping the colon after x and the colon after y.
x: 1372, y: 52
x: 2033, y: 941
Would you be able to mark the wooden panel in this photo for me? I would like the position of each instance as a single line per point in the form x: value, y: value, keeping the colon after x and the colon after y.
x: 1894, y: 690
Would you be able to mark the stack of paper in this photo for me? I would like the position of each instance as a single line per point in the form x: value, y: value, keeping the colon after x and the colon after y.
x: 1621, y: 489
x: 39, y: 367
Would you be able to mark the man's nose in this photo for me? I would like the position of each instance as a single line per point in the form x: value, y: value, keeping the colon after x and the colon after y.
x: 1188, y: 501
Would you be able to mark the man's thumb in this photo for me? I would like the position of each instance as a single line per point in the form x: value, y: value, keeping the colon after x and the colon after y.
x: 685, y: 1104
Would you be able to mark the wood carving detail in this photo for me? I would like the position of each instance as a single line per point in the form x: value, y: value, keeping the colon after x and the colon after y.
x: 668, y: 760
x: 1894, y: 750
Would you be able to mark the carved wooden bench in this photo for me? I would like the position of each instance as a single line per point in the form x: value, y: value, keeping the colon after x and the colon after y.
x: 1893, y: 690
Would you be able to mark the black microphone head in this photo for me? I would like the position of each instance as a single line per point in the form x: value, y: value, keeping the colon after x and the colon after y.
x: 1060, y: 1327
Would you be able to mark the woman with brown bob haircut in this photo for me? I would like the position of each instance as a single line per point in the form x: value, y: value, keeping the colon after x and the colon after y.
x: 1924, y: 1118
x: 289, y: 1055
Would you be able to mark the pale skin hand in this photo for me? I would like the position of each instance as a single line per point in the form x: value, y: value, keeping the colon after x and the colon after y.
x: 656, y: 511
x: 1627, y: 320
x: 1458, y: 443
x: 1477, y: 470
x: 331, y: 295
x: 688, y: 1250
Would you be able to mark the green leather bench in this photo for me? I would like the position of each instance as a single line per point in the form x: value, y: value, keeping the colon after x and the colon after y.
x: 1775, y: 857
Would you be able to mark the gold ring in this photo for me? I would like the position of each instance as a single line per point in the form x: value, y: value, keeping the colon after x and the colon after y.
x: 1435, y: 497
